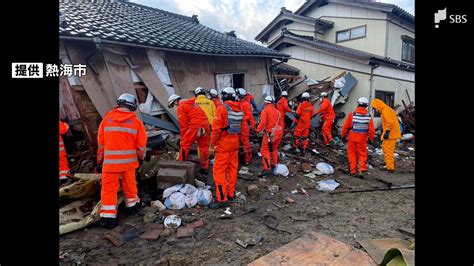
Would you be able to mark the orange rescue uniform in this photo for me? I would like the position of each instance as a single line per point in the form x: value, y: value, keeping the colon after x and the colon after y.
x: 63, y: 163
x: 305, y: 112
x: 283, y: 107
x: 194, y: 125
x: 389, y: 122
x: 122, y: 142
x: 226, y: 145
x: 247, y: 123
x: 360, y: 126
x: 217, y: 102
x: 270, y: 122
x: 328, y: 115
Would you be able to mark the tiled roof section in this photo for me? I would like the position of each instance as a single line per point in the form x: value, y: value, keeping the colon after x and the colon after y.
x: 339, y: 49
x: 132, y: 23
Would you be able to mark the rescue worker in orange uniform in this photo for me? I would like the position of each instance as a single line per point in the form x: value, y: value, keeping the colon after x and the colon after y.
x: 327, y: 115
x: 215, y: 98
x: 251, y: 100
x: 390, y: 133
x: 121, y: 150
x: 194, y: 126
x: 247, y: 123
x: 360, y: 126
x: 283, y: 107
x: 303, y: 116
x: 63, y: 163
x: 225, y: 139
x: 207, y: 105
x: 270, y: 128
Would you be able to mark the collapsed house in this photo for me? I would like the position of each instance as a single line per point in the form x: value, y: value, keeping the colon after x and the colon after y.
x: 151, y: 53
x: 373, y: 42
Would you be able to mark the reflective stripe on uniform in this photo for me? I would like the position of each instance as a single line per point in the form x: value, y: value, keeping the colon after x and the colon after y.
x: 119, y: 161
x: 108, y: 207
x: 142, y: 148
x: 61, y: 143
x: 62, y: 149
x: 108, y: 215
x: 119, y: 152
x: 121, y: 129
x: 64, y: 172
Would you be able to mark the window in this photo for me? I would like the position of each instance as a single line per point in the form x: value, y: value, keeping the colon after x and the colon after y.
x: 387, y: 97
x: 230, y: 80
x: 408, y: 50
x: 351, y: 34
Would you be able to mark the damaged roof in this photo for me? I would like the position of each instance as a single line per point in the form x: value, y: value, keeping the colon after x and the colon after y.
x: 384, y: 7
x: 287, y: 15
x: 341, y: 50
x: 134, y: 24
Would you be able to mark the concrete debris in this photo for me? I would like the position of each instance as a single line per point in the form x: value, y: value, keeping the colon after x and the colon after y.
x: 253, y: 192
x: 157, y: 204
x: 183, y: 232
x: 289, y: 200
x: 149, y: 217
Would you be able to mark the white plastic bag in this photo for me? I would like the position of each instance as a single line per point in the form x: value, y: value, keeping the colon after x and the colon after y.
x: 191, y: 199
x: 175, y: 201
x: 281, y: 169
x: 204, y: 197
x: 327, y: 185
x: 187, y: 189
x: 171, y: 190
x: 325, y: 168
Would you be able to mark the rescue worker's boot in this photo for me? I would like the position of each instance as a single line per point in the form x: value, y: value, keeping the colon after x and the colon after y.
x: 219, y: 204
x: 109, y: 223
x: 361, y: 175
x: 384, y: 168
x: 133, y: 210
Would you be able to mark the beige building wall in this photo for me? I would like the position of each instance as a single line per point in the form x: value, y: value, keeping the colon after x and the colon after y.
x: 295, y: 27
x: 394, y: 33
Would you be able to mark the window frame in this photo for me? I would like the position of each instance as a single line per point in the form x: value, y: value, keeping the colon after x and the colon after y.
x: 350, y: 33
x: 385, y: 94
x: 410, y: 43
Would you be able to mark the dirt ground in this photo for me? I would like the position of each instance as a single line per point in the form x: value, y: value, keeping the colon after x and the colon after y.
x: 347, y: 217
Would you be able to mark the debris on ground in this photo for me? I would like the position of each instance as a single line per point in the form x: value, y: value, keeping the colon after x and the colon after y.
x: 314, y: 249
x: 327, y: 185
x: 172, y: 221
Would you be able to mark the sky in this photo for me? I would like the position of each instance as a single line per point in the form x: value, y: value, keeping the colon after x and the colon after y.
x: 246, y: 17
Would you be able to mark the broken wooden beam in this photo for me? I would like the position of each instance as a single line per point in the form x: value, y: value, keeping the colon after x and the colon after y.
x: 157, y: 122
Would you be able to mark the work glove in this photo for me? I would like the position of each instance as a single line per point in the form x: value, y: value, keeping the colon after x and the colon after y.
x: 140, y: 162
x: 260, y: 134
x: 387, y: 134
x: 371, y: 142
x: 98, y: 168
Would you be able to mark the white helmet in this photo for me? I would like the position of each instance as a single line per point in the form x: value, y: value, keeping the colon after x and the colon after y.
x: 213, y: 92
x: 128, y: 101
x: 198, y: 90
x: 305, y: 96
x: 269, y: 99
x: 228, y: 90
x: 228, y: 93
x: 323, y: 94
x: 172, y: 99
x: 241, y: 92
x: 363, y: 101
x: 284, y: 93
